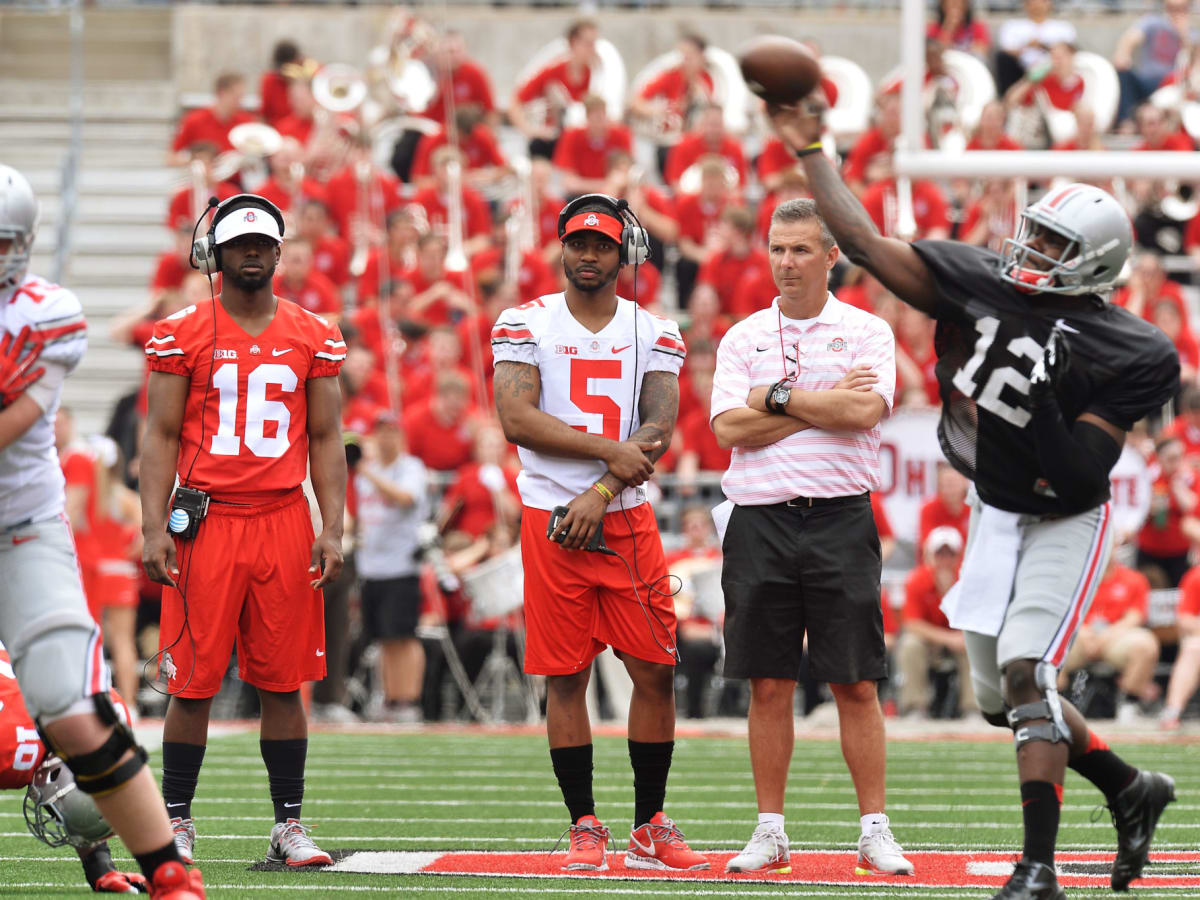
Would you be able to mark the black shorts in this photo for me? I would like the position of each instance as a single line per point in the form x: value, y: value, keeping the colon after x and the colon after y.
x: 391, y: 607
x: 790, y: 570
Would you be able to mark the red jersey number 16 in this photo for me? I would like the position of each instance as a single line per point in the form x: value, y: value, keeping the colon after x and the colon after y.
x: 259, y: 410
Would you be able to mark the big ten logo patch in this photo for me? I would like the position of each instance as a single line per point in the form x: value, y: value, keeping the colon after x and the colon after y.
x: 566, y: 350
x: 225, y: 354
x: 837, y: 345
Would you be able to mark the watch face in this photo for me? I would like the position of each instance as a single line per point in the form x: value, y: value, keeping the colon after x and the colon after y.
x: 781, y: 396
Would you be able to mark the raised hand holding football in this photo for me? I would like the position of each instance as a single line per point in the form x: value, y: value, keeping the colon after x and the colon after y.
x: 778, y: 69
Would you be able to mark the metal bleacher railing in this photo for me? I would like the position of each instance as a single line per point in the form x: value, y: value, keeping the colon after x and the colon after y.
x: 70, y: 164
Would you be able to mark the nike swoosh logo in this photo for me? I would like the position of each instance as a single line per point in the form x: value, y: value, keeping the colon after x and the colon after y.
x: 320, y: 653
x: 648, y: 850
x: 24, y: 540
x: 763, y: 349
x: 1065, y: 327
x: 277, y: 352
x: 291, y: 805
x: 619, y: 349
x: 173, y: 805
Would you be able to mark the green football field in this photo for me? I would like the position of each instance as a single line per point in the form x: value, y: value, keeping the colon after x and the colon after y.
x: 486, y: 802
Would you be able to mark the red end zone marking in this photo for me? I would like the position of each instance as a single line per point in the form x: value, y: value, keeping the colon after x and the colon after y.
x: 933, y: 868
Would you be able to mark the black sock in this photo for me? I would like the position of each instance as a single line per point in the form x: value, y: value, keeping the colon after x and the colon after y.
x: 1103, y: 768
x: 149, y: 862
x: 285, y: 774
x: 181, y: 770
x: 1041, y: 803
x: 651, y: 763
x: 96, y: 863
x: 573, y: 769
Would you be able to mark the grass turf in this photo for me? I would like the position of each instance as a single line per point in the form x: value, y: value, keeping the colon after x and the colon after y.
x: 457, y: 791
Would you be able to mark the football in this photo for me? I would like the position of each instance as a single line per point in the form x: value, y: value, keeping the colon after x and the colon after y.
x: 778, y: 69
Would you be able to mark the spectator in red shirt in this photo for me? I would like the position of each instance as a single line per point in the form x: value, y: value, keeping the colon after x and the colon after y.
x: 484, y: 491
x: 581, y: 155
x: 698, y: 214
x: 1163, y: 543
x: 397, y: 257
x: 172, y: 266
x: 441, y: 431
x: 654, y: 209
x: 990, y: 218
x: 563, y: 81
x: 286, y: 63
x: 706, y: 323
x: 469, y: 82
x: 1149, y: 286
x: 1166, y: 316
x: 698, y: 450
x: 698, y: 605
x: 483, y: 162
x: 667, y: 102
x: 439, y: 296
x: 948, y: 507
x: 443, y: 353
x: 301, y: 121
x: 916, y: 382
x: 299, y: 282
x: 1054, y: 83
x: 879, y: 139
x: 732, y: 255
x: 930, y: 207
x: 532, y: 275
x: 956, y: 27
x: 926, y: 638
x: 1186, y: 427
x: 361, y: 184
x: 1114, y: 631
x: 190, y: 201
x: 212, y: 124
x: 331, y: 254
x: 289, y: 184
x: 435, y: 199
x: 989, y: 133
x: 1159, y: 130
x: 546, y: 204
x: 709, y: 139
x: 1185, y: 673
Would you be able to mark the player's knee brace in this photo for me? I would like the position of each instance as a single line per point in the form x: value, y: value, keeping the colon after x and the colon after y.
x: 1025, y: 720
x: 101, y: 771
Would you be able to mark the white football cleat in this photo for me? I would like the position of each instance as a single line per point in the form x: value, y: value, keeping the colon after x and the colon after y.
x: 291, y: 844
x: 879, y: 854
x: 185, y: 838
x: 766, y: 852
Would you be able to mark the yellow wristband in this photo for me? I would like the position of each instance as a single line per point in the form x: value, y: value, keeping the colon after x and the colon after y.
x: 603, y: 492
x: 816, y: 147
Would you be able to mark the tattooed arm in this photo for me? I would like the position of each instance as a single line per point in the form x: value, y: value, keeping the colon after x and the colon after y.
x: 518, y: 387
x: 658, y: 407
x: 894, y: 262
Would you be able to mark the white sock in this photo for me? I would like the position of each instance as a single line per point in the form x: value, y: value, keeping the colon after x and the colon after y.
x: 872, y: 823
x: 771, y: 819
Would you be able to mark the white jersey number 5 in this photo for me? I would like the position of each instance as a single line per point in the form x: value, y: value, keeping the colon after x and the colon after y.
x: 259, y: 410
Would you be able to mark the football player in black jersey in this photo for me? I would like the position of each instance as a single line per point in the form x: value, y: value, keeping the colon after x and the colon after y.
x: 1040, y: 380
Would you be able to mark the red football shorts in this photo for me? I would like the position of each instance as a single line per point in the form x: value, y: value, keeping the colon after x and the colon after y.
x: 245, y: 577
x: 578, y: 602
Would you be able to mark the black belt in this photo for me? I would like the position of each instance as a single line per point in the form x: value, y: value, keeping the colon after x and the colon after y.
x: 806, y: 502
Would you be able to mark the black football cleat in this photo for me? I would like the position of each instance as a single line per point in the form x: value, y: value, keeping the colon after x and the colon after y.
x: 1135, y: 812
x: 1031, y: 881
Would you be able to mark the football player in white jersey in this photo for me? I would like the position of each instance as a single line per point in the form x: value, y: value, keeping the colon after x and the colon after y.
x: 586, y: 384
x: 55, y: 646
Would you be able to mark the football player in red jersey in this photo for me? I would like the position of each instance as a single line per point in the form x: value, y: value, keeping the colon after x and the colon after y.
x: 56, y: 811
x: 243, y: 398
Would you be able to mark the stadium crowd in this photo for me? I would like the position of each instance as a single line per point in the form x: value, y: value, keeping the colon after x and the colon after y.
x: 415, y: 260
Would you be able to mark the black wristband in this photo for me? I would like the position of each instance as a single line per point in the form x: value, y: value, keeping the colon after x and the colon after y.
x: 772, y: 406
x: 815, y: 147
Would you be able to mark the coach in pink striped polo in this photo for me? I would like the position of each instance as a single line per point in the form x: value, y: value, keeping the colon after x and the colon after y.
x: 799, y: 391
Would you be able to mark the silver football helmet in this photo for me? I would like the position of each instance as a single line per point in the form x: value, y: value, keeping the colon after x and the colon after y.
x: 18, y: 222
x: 58, y: 813
x: 1099, y: 237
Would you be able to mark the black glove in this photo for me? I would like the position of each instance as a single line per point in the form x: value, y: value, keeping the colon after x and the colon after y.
x: 1050, y: 369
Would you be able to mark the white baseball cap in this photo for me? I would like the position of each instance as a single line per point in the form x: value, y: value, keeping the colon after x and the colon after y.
x: 944, y: 536
x: 247, y: 220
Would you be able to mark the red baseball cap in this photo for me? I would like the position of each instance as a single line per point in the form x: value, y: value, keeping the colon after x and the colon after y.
x: 591, y: 220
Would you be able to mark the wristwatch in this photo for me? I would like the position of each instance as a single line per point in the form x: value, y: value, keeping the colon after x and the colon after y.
x: 777, y: 397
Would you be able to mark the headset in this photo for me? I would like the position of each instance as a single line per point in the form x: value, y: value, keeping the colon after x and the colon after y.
x: 206, y: 255
x: 635, y: 240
